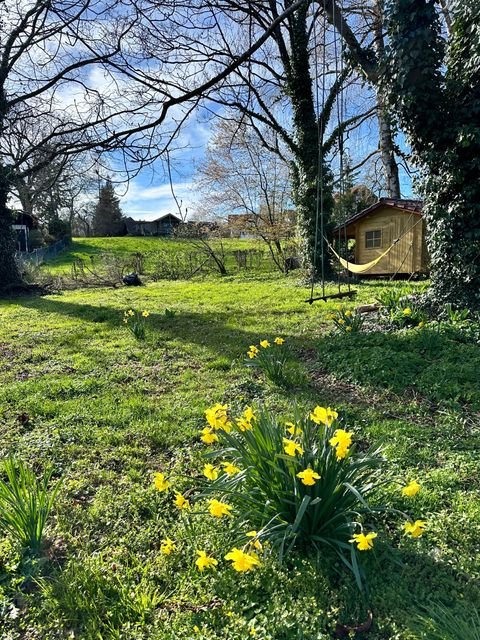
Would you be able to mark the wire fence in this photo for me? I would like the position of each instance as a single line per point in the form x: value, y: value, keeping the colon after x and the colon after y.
x: 39, y: 256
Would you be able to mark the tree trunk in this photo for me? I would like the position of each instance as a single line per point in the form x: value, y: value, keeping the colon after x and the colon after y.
x: 387, y: 153
x: 390, y: 167
x: 9, y: 274
x: 307, y: 167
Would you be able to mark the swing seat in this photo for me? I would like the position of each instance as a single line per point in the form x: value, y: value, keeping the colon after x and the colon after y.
x: 341, y: 294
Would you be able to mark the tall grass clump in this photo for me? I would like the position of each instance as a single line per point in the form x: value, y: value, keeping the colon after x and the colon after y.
x: 25, y: 504
x: 439, y: 623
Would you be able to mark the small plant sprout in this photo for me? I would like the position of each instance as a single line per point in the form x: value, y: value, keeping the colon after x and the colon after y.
x: 135, y: 322
x: 25, y: 504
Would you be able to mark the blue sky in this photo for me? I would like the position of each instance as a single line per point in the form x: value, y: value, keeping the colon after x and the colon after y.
x: 149, y: 196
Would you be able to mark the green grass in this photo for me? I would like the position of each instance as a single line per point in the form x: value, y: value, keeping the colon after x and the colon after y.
x: 108, y: 412
x: 88, y: 248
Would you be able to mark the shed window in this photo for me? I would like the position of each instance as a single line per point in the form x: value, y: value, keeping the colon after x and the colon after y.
x: 373, y: 239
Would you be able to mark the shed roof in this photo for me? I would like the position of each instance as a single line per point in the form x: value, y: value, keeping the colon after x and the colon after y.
x: 413, y: 206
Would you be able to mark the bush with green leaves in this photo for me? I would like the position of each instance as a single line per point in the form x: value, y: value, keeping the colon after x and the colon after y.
x: 276, y: 362
x: 297, y: 484
x: 136, y: 322
x: 25, y: 504
x: 347, y: 321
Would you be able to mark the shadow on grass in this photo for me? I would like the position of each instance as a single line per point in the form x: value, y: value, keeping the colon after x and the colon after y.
x: 439, y: 366
x: 400, y: 592
x: 211, y: 329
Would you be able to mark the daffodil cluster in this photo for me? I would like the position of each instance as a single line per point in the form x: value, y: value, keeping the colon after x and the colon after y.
x: 299, y: 480
x: 346, y: 320
x: 275, y: 360
x: 253, y: 350
x: 135, y: 322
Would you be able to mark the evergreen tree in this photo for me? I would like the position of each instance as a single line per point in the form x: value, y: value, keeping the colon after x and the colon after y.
x: 108, y: 219
x: 354, y: 196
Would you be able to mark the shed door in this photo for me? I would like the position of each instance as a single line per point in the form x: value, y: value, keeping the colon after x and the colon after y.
x: 401, y: 256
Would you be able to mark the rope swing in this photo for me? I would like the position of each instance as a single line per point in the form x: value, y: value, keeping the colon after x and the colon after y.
x: 350, y: 267
x: 319, y: 208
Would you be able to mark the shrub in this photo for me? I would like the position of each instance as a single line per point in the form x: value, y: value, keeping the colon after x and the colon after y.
x: 276, y: 362
x: 25, y: 504
x: 135, y: 322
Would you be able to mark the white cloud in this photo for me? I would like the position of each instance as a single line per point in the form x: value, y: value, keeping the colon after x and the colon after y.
x: 149, y: 202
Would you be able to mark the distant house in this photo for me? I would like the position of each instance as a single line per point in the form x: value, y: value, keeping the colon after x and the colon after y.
x: 376, y: 228
x: 162, y: 226
x: 22, y: 226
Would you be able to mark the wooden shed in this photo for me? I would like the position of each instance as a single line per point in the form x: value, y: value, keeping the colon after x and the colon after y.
x: 376, y: 228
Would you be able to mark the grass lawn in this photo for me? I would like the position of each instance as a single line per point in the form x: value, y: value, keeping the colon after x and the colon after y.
x: 77, y: 390
x: 151, y: 248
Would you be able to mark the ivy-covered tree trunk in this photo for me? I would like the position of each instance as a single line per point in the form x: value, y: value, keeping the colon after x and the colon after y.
x: 9, y: 274
x: 307, y: 169
x: 435, y: 90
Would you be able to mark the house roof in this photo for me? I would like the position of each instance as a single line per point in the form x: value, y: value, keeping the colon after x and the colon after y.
x: 165, y: 215
x: 414, y: 206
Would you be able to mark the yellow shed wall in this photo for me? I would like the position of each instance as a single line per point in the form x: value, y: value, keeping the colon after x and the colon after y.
x: 407, y: 256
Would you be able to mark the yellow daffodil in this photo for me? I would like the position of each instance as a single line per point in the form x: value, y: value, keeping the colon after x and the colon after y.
x: 253, y: 631
x: 407, y: 311
x: 219, y: 509
x: 348, y: 329
x: 242, y: 561
x: 131, y: 312
x: 249, y: 415
x: 255, y: 543
x: 411, y: 489
x: 348, y: 314
x: 204, y: 561
x: 363, y: 542
x: 291, y: 448
x: 421, y: 324
x: 293, y: 429
x: 210, y: 472
x: 208, y: 436
x: 167, y: 546
x: 145, y: 314
x: 308, y: 477
x: 341, y: 321
x: 160, y: 482
x: 196, y: 628
x: 244, y: 425
x: 341, y: 441
x: 414, y: 529
x: 181, y: 502
x: 265, y: 344
x: 279, y: 341
x: 217, y: 417
x: 230, y: 469
x: 320, y: 415
x: 252, y: 353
